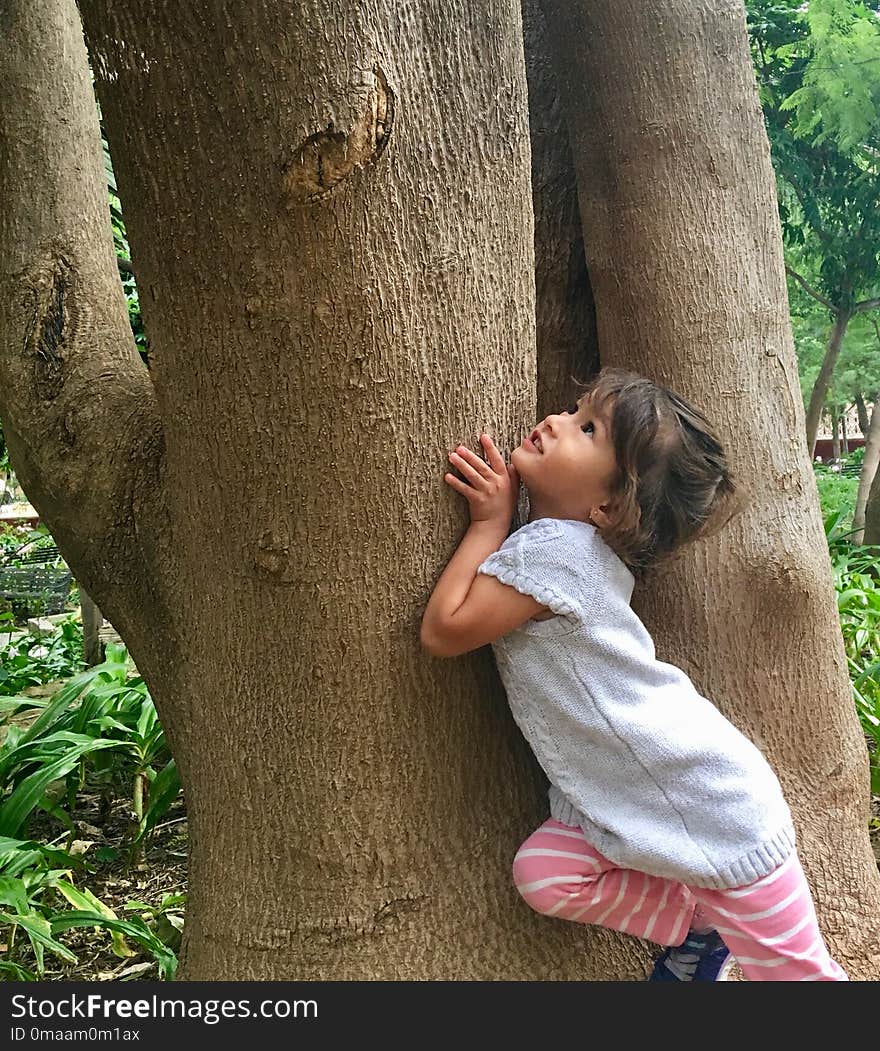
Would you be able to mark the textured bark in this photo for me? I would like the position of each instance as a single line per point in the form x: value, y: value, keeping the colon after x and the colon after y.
x: 567, y: 351
x: 866, y: 518
x: 91, y: 624
x: 329, y: 209
x: 872, y: 512
x: 823, y: 380
x: 677, y: 196
x: 564, y: 311
x: 862, y: 410
x: 78, y: 411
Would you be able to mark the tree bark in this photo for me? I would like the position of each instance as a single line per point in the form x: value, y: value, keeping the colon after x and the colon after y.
x: 872, y: 512
x: 677, y: 195
x: 564, y: 311
x: 835, y: 433
x: 862, y: 410
x: 867, y: 473
x: 823, y: 380
x: 333, y: 239
x: 844, y: 443
x: 92, y: 620
x: 79, y: 414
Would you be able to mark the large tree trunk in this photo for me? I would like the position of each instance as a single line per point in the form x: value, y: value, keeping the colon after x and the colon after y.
x: 868, y: 471
x: 329, y: 209
x: 685, y: 258
x: 823, y: 380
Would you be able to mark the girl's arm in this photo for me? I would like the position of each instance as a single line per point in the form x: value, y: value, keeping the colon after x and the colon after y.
x: 465, y: 610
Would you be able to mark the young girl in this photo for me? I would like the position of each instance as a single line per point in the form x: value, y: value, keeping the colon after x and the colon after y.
x: 666, y: 822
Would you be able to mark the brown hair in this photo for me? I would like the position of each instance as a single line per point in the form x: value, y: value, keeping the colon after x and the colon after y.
x: 673, y: 478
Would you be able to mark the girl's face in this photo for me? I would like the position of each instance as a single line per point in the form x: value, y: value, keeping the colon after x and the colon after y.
x: 567, y: 464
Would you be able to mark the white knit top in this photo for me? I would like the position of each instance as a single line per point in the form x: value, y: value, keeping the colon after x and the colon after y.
x: 652, y: 772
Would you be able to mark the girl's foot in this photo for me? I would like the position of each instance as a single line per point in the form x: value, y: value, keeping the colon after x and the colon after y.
x: 700, y: 958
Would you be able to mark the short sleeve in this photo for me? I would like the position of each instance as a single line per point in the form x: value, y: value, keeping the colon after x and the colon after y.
x: 537, y: 561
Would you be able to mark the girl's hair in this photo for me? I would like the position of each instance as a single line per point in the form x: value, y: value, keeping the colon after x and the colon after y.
x: 673, y: 478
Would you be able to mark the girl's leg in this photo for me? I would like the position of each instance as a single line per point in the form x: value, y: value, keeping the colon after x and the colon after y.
x: 560, y: 874
x: 770, y: 927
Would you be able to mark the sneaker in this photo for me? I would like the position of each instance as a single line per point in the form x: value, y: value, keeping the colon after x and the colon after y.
x: 700, y: 958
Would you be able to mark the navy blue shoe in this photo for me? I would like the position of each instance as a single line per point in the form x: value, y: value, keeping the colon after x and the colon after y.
x: 699, y: 958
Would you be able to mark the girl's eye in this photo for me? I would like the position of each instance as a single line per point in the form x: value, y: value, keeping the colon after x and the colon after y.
x: 589, y: 423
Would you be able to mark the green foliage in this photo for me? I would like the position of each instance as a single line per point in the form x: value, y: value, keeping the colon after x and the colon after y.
x: 99, y: 728
x: 30, y: 661
x: 839, y: 96
x: 821, y: 104
x: 28, y: 872
x: 11, y: 539
x: 135, y: 928
x: 32, y: 899
x: 857, y: 582
x: 837, y: 492
x: 858, y: 368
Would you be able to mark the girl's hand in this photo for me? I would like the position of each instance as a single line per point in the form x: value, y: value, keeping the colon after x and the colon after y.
x: 491, y: 489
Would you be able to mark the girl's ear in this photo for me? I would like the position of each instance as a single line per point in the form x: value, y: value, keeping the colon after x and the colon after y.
x: 599, y: 518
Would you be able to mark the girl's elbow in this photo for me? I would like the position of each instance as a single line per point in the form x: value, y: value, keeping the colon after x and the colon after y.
x: 434, y: 644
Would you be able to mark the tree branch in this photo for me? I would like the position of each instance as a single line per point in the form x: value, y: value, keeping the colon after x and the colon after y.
x: 807, y: 288
x: 866, y: 304
x: 84, y: 431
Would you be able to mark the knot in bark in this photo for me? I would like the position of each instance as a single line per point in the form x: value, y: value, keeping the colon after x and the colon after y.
x: 325, y: 159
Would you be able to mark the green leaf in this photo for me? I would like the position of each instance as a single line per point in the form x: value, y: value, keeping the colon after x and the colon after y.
x: 15, y: 810
x: 135, y: 929
x: 18, y: 973
x: 163, y: 791
x: 39, y: 931
x: 85, y: 901
x: 17, y: 855
x: 13, y: 892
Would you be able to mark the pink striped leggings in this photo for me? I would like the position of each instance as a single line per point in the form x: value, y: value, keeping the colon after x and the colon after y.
x: 769, y: 925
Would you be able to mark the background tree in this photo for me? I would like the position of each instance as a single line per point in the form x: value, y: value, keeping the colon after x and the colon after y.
x: 334, y: 282
x: 822, y: 108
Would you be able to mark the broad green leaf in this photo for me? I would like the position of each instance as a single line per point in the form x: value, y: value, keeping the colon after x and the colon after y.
x: 135, y: 929
x: 16, y: 808
x: 85, y: 901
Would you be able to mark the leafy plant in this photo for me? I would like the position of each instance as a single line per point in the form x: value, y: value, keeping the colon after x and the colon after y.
x: 135, y: 928
x: 100, y: 709
x: 837, y: 493
x: 27, y: 872
x: 103, y: 721
x: 857, y: 582
x: 32, y: 661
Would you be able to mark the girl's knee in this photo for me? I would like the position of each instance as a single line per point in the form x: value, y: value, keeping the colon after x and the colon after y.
x: 541, y: 884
